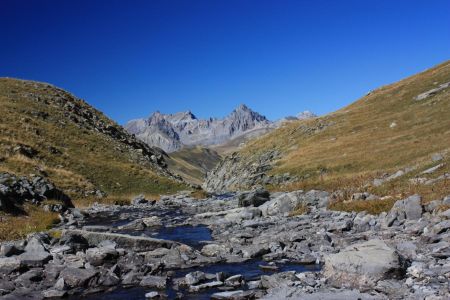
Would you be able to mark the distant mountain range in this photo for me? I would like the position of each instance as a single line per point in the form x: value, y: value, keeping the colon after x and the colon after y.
x: 172, y: 132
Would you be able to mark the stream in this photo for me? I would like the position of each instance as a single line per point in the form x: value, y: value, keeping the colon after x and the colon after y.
x: 250, y: 270
x: 174, y: 227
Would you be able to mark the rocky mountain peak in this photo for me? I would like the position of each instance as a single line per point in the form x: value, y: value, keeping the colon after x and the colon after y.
x: 243, y: 111
x: 242, y: 107
x: 156, y: 117
x: 173, y: 131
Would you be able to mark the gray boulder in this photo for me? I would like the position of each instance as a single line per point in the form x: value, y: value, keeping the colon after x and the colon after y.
x: 158, y: 282
x: 35, y: 254
x: 285, y: 203
x: 254, y: 198
x: 30, y: 277
x: 195, y: 278
x: 152, y: 221
x: 235, y: 280
x: 134, y: 243
x: 76, y: 277
x: 98, y: 256
x: 431, y: 206
x: 133, y: 225
x: 407, y: 209
x: 9, y: 249
x: 207, y: 285
x: 228, y: 295
x: 285, y: 293
x: 214, y: 250
x: 362, y: 265
x: 282, y: 204
x: 9, y: 264
x: 152, y: 295
x: 316, y: 198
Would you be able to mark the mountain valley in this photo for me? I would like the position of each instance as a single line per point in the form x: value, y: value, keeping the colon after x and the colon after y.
x: 354, y: 204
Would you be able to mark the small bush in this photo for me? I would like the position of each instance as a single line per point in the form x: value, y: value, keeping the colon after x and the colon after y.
x: 301, y: 209
x: 373, y: 207
x: 199, y: 194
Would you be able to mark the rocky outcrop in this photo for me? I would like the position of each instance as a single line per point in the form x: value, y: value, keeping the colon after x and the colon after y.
x: 248, y: 168
x: 432, y: 92
x: 236, y: 172
x: 14, y: 191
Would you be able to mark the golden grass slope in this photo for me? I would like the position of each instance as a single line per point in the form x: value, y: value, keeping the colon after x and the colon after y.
x: 72, y: 153
x: 383, y: 132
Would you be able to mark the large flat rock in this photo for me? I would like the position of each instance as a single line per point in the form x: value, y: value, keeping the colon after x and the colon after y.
x: 285, y: 293
x: 362, y: 265
x: 135, y: 243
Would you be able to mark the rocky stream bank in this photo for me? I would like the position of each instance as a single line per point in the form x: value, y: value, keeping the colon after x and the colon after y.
x: 235, y: 246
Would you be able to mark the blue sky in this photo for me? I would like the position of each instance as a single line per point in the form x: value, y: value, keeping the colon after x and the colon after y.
x: 130, y: 58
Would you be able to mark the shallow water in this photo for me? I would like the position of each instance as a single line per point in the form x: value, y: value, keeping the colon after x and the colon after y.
x: 194, y: 236
x: 249, y: 269
x: 186, y: 234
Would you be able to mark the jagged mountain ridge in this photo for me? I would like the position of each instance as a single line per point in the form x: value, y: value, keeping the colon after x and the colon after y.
x: 171, y: 132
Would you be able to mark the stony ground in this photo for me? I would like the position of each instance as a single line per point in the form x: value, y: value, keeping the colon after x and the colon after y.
x: 403, y: 254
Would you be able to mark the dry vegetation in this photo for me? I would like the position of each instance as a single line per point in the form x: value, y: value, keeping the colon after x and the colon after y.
x: 124, y: 199
x: 383, y: 132
x: 199, y: 194
x: 75, y: 157
x: 35, y: 219
x: 372, y: 206
x: 299, y: 210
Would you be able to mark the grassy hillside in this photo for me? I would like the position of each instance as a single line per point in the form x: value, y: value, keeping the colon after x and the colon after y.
x: 47, y: 131
x: 192, y: 163
x: 383, y: 132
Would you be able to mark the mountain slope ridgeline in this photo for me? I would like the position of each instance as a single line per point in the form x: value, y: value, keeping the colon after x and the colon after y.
x: 47, y: 131
x: 384, y: 143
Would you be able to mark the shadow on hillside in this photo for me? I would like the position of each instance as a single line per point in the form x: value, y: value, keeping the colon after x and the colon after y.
x: 57, y: 201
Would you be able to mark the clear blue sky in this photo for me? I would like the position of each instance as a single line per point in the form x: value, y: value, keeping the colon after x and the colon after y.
x: 130, y: 58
